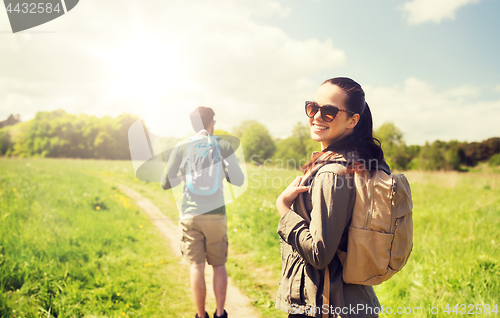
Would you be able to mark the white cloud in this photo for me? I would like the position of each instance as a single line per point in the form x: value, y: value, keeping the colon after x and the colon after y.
x: 421, y: 11
x: 425, y: 114
x: 214, y: 52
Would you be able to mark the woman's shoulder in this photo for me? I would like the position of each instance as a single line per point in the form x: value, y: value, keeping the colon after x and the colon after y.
x: 332, y: 174
x: 333, y: 167
x: 338, y: 162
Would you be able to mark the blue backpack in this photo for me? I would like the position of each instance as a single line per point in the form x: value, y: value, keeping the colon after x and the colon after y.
x: 204, y: 165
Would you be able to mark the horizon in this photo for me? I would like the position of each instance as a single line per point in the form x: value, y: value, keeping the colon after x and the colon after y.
x: 274, y: 138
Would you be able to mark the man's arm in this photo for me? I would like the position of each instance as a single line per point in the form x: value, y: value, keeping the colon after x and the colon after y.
x: 234, y: 174
x: 169, y: 178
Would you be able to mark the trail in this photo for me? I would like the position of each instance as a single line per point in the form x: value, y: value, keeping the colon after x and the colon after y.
x: 237, y: 304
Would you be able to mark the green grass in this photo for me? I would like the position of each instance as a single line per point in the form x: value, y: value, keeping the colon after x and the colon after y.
x: 456, y: 253
x: 72, y: 245
x: 455, y: 259
x: 252, y: 225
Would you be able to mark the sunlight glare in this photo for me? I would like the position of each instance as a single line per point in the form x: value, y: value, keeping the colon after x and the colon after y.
x: 146, y: 69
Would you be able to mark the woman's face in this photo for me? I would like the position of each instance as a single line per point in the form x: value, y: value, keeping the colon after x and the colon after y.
x: 343, y: 124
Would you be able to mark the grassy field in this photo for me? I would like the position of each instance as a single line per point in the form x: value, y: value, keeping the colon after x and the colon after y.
x: 71, y: 245
x: 455, y: 259
x: 456, y: 242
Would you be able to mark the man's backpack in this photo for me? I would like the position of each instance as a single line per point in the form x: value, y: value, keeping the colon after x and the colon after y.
x: 380, y: 236
x: 204, y: 165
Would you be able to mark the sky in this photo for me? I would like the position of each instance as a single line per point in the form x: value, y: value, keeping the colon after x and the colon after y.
x: 428, y: 66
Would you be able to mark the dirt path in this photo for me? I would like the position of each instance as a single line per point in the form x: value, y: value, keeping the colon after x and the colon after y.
x: 237, y: 304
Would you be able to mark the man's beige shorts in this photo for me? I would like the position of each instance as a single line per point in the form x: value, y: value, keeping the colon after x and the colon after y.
x: 204, y: 237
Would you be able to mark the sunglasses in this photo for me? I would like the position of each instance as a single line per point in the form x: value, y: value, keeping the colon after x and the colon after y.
x: 328, y: 112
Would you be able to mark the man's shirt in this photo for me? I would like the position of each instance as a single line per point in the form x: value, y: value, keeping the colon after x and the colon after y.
x: 199, y: 204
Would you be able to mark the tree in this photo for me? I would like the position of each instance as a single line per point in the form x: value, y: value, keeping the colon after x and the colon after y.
x: 18, y: 135
x: 297, y: 148
x: 220, y: 132
x: 451, y: 157
x: 439, y: 155
x: 494, y: 160
x: 59, y: 134
x: 256, y: 142
x: 5, y: 142
x: 493, y: 145
x: 393, y: 144
x: 306, y: 145
x: 239, y: 130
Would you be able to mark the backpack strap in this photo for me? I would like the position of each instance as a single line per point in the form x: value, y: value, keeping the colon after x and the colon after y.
x: 225, y: 168
x: 324, y: 159
x: 186, y: 157
x: 326, y: 292
x: 201, y: 134
x: 299, y: 202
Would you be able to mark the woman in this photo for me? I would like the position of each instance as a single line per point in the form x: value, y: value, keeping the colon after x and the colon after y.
x: 339, y: 119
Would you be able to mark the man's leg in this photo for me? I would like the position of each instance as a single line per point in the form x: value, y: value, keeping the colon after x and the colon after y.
x: 198, y: 287
x: 193, y: 252
x: 215, y: 230
x: 220, y: 287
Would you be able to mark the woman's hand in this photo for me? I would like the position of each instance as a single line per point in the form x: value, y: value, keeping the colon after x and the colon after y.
x: 286, y: 198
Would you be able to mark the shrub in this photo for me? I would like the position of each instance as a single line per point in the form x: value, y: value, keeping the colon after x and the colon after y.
x: 494, y: 161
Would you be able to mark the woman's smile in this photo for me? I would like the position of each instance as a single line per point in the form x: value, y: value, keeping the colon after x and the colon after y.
x: 319, y: 127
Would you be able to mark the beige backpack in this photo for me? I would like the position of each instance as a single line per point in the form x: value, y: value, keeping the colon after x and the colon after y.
x: 381, y: 231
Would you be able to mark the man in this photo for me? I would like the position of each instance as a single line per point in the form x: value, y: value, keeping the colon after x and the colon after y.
x: 203, y: 217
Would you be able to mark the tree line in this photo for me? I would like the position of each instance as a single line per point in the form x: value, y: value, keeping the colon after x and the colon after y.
x: 259, y: 146
x: 59, y: 134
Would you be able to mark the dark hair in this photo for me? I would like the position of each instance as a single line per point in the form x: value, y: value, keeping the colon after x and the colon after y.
x: 205, y: 113
x: 361, y: 139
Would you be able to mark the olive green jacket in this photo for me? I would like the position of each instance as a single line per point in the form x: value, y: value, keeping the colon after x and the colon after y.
x: 308, y: 248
